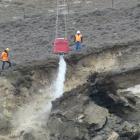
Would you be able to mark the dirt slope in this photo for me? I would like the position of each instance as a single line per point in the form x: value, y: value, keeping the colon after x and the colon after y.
x: 32, y: 37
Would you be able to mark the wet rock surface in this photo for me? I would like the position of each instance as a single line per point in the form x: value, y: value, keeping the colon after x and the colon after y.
x: 94, y: 111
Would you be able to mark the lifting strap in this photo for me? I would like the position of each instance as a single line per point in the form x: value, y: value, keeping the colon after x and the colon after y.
x: 61, y: 7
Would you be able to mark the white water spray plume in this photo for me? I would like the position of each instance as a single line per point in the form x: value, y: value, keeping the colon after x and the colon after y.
x: 34, y: 115
x: 59, y: 84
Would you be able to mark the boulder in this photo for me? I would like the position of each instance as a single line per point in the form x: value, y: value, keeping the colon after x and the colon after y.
x: 74, y: 116
x: 113, y: 136
x: 95, y: 114
x: 98, y: 138
x: 27, y: 135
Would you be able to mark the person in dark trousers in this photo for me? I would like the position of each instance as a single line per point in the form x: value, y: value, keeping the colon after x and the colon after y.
x: 5, y: 58
x: 78, y: 39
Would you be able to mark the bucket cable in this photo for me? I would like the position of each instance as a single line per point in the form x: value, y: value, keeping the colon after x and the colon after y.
x: 64, y: 7
x: 56, y: 25
x: 65, y: 18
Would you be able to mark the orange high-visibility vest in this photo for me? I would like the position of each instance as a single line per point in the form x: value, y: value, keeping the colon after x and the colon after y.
x: 4, y: 56
x: 78, y: 38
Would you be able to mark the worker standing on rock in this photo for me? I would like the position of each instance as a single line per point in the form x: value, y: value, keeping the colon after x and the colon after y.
x: 78, y: 39
x: 5, y: 58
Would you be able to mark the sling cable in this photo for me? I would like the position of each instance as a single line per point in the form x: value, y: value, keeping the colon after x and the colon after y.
x: 61, y: 44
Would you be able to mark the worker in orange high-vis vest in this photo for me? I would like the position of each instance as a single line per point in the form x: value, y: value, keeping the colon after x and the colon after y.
x: 5, y: 58
x: 78, y: 39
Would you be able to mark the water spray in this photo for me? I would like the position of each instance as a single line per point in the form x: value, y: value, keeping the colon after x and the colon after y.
x: 59, y: 83
x: 33, y: 116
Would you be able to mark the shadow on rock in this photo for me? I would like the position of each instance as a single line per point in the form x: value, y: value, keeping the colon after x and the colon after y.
x: 92, y: 111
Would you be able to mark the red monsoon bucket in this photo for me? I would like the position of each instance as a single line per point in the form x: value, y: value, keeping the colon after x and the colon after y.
x: 61, y: 46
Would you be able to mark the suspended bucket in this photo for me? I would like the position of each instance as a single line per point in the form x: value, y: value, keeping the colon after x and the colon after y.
x: 61, y: 46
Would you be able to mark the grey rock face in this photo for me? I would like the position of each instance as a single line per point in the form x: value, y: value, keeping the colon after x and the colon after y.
x: 113, y: 136
x: 95, y: 114
x: 28, y: 136
x: 4, y: 125
x: 85, y: 113
x: 98, y: 138
x: 74, y: 116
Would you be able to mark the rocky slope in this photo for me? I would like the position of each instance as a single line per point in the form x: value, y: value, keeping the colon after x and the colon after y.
x: 33, y: 36
x: 18, y: 9
x: 101, y: 99
x: 25, y: 92
x: 95, y: 106
x: 95, y: 111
